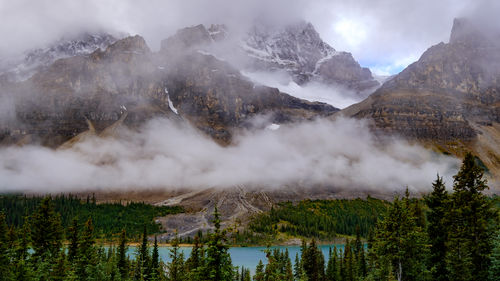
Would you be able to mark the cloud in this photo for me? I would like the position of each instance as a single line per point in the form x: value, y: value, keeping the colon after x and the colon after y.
x: 337, y: 96
x: 168, y: 155
x: 378, y: 33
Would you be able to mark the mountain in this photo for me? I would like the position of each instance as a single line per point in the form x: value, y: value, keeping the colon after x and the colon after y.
x: 449, y: 98
x: 128, y: 84
x: 298, y: 49
x: 82, y: 44
x: 295, y: 48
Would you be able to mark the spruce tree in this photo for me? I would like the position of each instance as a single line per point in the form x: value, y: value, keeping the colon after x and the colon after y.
x: 46, y: 230
x: 313, y: 262
x: 155, y: 260
x: 494, y: 270
x: 143, y: 258
x: 400, y: 244
x: 218, y: 262
x: 86, y: 251
x: 438, y: 202
x: 176, y: 265
x: 5, y: 271
x: 122, y: 262
x: 469, y: 219
x: 298, y: 272
x: 73, y: 241
x: 331, y: 268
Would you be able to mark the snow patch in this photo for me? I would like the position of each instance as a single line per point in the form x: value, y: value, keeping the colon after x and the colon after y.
x: 170, y: 104
x: 273, y: 127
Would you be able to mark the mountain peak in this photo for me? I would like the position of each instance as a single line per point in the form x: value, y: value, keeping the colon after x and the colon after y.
x: 466, y: 31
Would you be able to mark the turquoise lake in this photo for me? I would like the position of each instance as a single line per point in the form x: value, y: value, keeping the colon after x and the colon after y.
x: 243, y: 256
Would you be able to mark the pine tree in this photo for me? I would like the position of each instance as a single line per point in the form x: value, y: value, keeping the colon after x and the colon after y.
x: 73, y: 241
x: 46, y: 230
x: 298, y: 272
x: 59, y: 271
x: 331, y: 268
x: 469, y: 219
x: 86, y: 251
x: 438, y: 202
x: 5, y: 272
x: 245, y: 274
x: 218, y: 261
x: 143, y: 258
x: 155, y: 260
x: 401, y: 244
x: 122, y: 262
x: 259, y: 272
x: 176, y: 264
x: 494, y: 271
x: 288, y: 266
x: 313, y: 263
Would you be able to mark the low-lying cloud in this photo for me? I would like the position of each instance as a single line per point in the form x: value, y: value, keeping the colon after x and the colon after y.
x: 337, y: 96
x: 167, y: 155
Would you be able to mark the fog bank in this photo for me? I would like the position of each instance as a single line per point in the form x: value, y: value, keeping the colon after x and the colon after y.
x: 168, y: 155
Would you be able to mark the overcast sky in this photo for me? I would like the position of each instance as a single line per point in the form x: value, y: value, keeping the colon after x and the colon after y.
x: 385, y: 35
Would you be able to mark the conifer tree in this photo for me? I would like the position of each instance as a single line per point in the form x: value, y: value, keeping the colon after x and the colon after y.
x: 259, y: 272
x: 218, y: 261
x: 401, y: 244
x: 298, y: 272
x: 5, y: 273
x: 86, y: 251
x: 438, y: 202
x: 313, y: 262
x: 143, y: 258
x: 122, y: 262
x: 494, y: 270
x: 176, y: 265
x: 331, y: 268
x: 46, y: 230
x: 73, y: 241
x: 155, y: 260
x: 470, y: 236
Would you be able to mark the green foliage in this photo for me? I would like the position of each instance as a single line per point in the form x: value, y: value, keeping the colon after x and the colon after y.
x: 108, y: 218
x: 321, y: 219
x: 400, y: 244
x: 438, y: 203
x: 46, y: 230
x: 218, y: 262
x: 469, y: 218
x: 494, y: 271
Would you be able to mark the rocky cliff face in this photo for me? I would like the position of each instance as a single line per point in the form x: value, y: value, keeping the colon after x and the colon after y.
x: 298, y: 49
x: 295, y: 48
x: 38, y: 58
x: 127, y: 79
x: 450, y: 96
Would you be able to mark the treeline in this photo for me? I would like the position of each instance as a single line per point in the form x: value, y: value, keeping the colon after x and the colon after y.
x: 109, y: 218
x: 456, y: 237
x: 321, y: 219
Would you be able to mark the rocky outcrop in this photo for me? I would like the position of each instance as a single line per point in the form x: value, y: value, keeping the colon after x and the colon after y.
x: 298, y: 49
x: 59, y: 101
x: 38, y: 58
x: 449, y: 97
x: 295, y: 48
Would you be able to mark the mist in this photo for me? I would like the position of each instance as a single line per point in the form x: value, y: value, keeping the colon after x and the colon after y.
x: 385, y: 35
x: 168, y: 155
x: 338, y: 96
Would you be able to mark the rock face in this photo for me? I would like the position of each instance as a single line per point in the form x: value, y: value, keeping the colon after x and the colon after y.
x: 295, y: 48
x: 35, y: 59
x: 450, y: 96
x: 298, y: 49
x: 58, y: 102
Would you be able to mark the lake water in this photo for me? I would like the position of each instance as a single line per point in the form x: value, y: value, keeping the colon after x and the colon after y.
x: 244, y: 256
